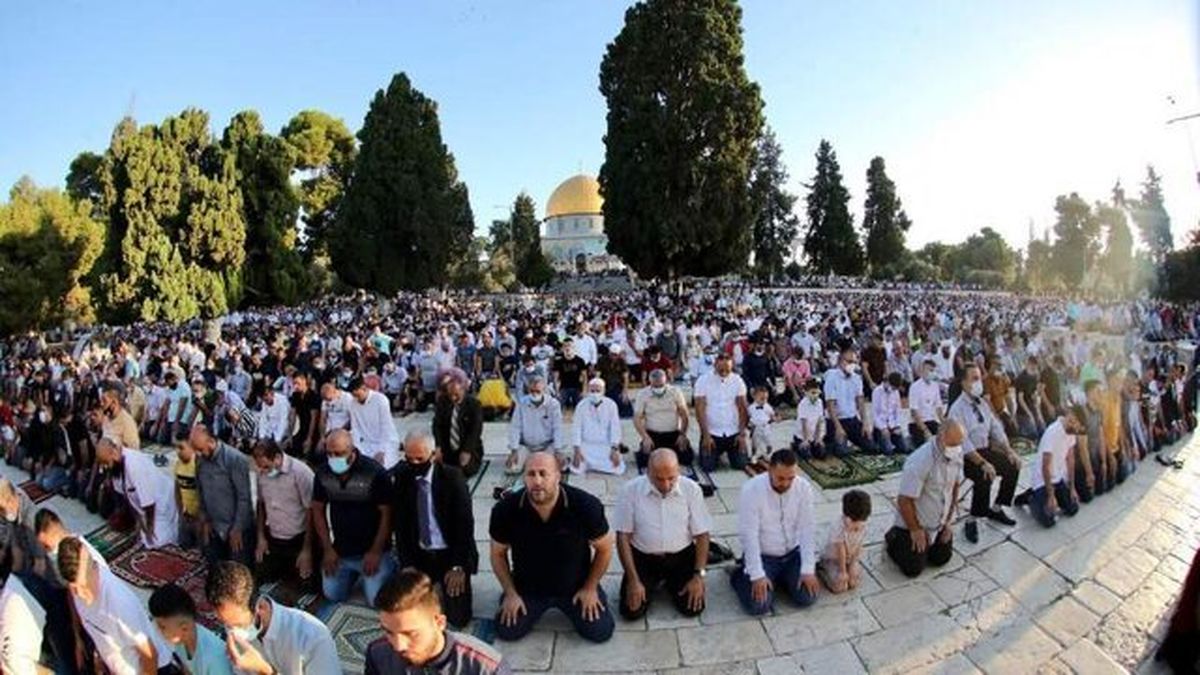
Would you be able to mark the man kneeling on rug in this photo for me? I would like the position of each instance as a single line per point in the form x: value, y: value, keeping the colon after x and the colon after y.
x: 927, y: 499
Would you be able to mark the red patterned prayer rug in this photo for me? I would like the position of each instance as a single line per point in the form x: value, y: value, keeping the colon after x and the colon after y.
x: 35, y: 492
x: 153, y: 567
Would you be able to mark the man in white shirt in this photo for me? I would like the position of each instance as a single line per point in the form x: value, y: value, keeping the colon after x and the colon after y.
x: 21, y: 621
x: 843, y: 398
x: 925, y: 401
x: 335, y: 409
x: 776, y: 528
x: 112, y: 614
x: 149, y: 490
x: 891, y: 434
x: 371, y: 425
x: 585, y: 345
x: 596, y: 433
x: 1050, y: 488
x: 662, y: 527
x: 923, y: 533
x: 264, y: 637
x: 722, y: 412
x: 275, y: 418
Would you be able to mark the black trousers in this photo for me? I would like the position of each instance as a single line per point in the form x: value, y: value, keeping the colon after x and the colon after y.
x: 899, y: 549
x: 672, y: 570
x: 280, y: 562
x: 1007, y: 472
x: 435, y: 564
x: 665, y: 439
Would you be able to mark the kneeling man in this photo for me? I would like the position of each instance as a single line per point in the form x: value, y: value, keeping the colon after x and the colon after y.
x: 928, y: 497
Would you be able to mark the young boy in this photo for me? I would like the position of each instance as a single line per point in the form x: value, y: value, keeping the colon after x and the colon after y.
x: 198, y: 648
x: 186, y: 496
x: 838, y: 566
x: 1052, y: 485
x: 810, y: 422
x: 761, y: 416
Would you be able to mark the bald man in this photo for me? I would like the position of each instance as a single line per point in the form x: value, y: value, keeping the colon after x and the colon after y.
x: 923, y: 533
x: 560, y: 547
x: 662, y: 529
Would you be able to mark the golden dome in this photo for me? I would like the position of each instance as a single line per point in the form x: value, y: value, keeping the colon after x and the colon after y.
x: 576, y: 195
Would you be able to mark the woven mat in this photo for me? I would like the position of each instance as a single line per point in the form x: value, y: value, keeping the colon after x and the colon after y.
x: 111, y: 543
x: 832, y: 472
x: 354, y: 628
x: 153, y: 567
x: 880, y: 465
x: 1022, y: 446
x: 36, y: 494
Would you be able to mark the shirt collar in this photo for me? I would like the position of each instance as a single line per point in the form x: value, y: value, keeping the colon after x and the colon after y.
x: 652, y: 491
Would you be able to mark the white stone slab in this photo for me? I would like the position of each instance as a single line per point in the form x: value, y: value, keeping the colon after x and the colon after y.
x: 736, y: 641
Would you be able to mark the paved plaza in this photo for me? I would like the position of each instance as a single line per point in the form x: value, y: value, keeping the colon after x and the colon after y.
x: 1091, y: 595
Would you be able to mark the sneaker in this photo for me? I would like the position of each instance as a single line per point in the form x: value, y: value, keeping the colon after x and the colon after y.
x: 997, y: 514
x: 971, y: 530
x: 1023, y: 498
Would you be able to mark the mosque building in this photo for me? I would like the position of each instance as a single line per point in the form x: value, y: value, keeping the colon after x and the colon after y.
x: 573, y: 236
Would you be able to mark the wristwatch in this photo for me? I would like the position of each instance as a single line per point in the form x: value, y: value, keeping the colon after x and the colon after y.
x: 701, y: 572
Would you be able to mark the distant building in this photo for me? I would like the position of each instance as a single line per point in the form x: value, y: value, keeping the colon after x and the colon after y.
x: 573, y: 236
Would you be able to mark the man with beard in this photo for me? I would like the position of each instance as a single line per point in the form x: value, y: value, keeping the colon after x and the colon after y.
x: 117, y: 422
x: 149, y: 491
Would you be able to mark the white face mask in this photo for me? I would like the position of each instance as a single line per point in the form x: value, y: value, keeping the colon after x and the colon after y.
x: 595, y: 397
x: 977, y: 388
x: 658, y: 391
x: 952, y: 452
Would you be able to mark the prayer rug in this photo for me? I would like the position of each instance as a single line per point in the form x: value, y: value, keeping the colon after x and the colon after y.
x: 111, y: 543
x: 1022, y: 446
x: 832, y: 472
x: 153, y: 567
x: 880, y: 465
x: 289, y: 594
x: 354, y: 628
x: 36, y: 494
x: 205, y: 614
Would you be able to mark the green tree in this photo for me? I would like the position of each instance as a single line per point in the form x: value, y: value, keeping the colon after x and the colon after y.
x: 1149, y: 214
x: 984, y: 259
x: 274, y: 272
x: 1039, y: 266
x: 884, y: 222
x: 324, y: 152
x: 468, y: 271
x: 1077, y: 239
x: 1117, y: 259
x: 830, y: 243
x: 683, y: 120
x: 532, y: 268
x: 499, y: 235
x: 775, y: 222
x: 405, y: 214
x: 48, y: 244
x: 83, y: 180
x: 176, y: 229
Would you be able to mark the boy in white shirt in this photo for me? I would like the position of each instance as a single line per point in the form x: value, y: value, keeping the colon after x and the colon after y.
x: 810, y: 421
x: 1050, y: 490
x: 761, y: 416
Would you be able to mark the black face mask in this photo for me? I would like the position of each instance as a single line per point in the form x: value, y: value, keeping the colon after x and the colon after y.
x: 419, y: 468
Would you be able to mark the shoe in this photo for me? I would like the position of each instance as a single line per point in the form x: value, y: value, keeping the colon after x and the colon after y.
x: 971, y: 530
x: 997, y: 514
x: 1022, y: 499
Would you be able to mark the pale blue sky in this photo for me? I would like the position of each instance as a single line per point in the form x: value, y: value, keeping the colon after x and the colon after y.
x: 984, y: 111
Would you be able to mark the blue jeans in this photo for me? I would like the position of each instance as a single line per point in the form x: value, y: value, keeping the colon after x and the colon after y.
x: 892, y: 442
x: 599, y: 630
x: 784, y: 573
x: 727, y: 445
x: 854, y: 434
x: 337, y: 587
x: 1037, y: 504
x: 53, y: 478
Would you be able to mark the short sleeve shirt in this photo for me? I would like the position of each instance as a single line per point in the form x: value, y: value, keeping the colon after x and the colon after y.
x: 929, y: 479
x: 662, y: 412
x: 550, y: 558
x: 354, y: 499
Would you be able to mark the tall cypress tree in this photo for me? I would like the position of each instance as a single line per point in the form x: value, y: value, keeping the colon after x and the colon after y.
x: 1077, y: 242
x: 831, y: 243
x: 775, y: 224
x: 405, y: 213
x: 683, y: 119
x: 532, y: 267
x: 884, y: 221
x: 1149, y: 213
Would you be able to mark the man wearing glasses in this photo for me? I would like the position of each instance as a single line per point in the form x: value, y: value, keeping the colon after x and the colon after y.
x: 986, y: 452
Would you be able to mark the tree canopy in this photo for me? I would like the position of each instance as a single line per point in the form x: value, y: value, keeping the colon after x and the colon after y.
x: 830, y: 243
x: 775, y: 221
x: 884, y: 222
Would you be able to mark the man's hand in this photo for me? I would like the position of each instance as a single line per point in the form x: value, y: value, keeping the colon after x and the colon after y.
x: 635, y: 595
x: 511, y: 462
x: 989, y: 471
x: 945, y: 535
x: 304, y: 563
x: 759, y: 590
x: 329, y: 562
x: 512, y: 607
x: 205, y: 532
x: 839, y: 433
x: 245, y: 657
x: 741, y: 442
x: 1089, y: 479
x: 235, y: 540
x: 464, y: 459
x: 809, y: 582
x: 693, y: 590
x: 261, y: 549
x: 681, y: 442
x: 378, y: 457
x: 577, y: 459
x: 1051, y: 502
x: 455, y: 583
x: 371, y: 562
x: 588, y: 600
x: 1074, y: 494
x: 706, y: 443
x: 647, y: 444
x: 920, y: 540
x: 615, y: 457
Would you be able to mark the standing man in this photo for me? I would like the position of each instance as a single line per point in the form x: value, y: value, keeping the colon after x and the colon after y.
x: 356, y: 535
x: 536, y: 426
x: 117, y: 423
x: 923, y: 533
x: 371, y: 425
x: 149, y: 491
x: 434, y: 523
x: 274, y: 421
x: 721, y: 411
x: 662, y: 529
x: 776, y: 527
x: 570, y: 372
x: 226, y: 510
x: 660, y: 416
x: 283, y: 519
x: 987, y: 453
x: 560, y: 545
x: 415, y: 636
x: 305, y: 405
x: 335, y: 409
x: 596, y: 433
x: 458, y: 424
x: 843, y: 400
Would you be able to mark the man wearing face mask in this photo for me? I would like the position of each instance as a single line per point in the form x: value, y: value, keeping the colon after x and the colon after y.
x: 923, y: 532
x: 660, y: 416
x: 264, y: 637
x: 925, y: 401
x: 536, y: 426
x: 843, y: 400
x: 356, y: 535
x: 597, y: 433
x: 529, y: 371
x: 434, y: 523
x: 117, y: 422
x: 986, y: 453
x: 284, y: 531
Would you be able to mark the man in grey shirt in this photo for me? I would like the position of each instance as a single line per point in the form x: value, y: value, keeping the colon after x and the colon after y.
x: 928, y: 495
x: 223, y: 485
x: 986, y: 453
x: 536, y: 425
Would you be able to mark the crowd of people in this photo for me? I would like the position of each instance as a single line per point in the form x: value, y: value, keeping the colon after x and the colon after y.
x: 290, y: 465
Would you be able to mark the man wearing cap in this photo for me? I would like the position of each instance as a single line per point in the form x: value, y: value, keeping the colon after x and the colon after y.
x: 597, y: 433
x: 371, y: 425
x: 660, y: 415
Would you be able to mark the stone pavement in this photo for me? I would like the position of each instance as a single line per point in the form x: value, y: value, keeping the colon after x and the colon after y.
x: 1091, y: 595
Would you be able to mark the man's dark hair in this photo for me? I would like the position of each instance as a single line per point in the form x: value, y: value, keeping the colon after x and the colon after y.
x: 229, y: 582
x: 968, y: 368
x: 266, y: 447
x: 856, y: 505
x: 69, y: 558
x: 171, y: 601
x: 1078, y: 412
x: 783, y: 457
x: 407, y: 589
x: 43, y: 519
x: 356, y: 383
x: 1089, y: 386
x: 896, y: 380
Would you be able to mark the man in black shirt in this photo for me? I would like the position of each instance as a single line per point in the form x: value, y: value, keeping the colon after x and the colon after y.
x: 357, y: 534
x: 306, y: 407
x: 1030, y: 421
x: 561, y: 546
x: 570, y: 372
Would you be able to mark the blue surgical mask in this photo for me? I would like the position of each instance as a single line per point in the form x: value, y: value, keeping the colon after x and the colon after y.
x: 273, y: 472
x: 339, y: 465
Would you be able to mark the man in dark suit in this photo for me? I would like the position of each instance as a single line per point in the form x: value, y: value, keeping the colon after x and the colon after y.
x: 434, y: 524
x: 458, y: 423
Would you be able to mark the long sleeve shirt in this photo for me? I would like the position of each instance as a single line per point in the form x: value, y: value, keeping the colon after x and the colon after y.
x: 536, y: 426
x: 771, y: 523
x: 596, y: 423
x: 373, y: 430
x: 885, y: 406
x: 223, y: 483
x: 273, y: 420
